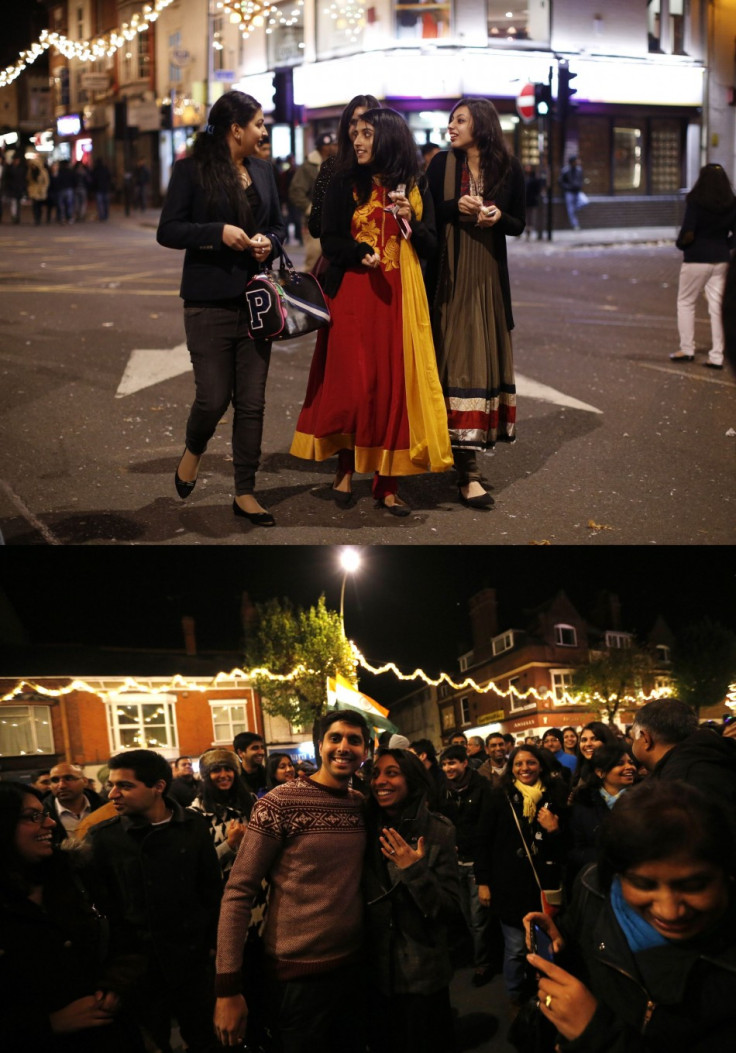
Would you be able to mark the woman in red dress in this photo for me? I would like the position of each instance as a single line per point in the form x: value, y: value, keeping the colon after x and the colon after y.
x: 374, y: 396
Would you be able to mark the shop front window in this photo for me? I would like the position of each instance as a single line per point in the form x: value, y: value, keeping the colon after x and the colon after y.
x: 666, y: 156
x: 517, y: 21
x: 423, y: 21
x: 285, y: 33
x: 628, y: 157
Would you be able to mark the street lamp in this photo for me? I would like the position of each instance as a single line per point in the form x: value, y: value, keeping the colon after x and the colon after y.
x: 349, y: 561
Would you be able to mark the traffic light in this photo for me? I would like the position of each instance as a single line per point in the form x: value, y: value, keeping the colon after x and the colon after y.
x: 283, y: 96
x: 542, y: 100
x: 564, y: 91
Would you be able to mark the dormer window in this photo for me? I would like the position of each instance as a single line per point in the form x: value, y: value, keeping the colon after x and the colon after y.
x: 663, y: 653
x: 618, y: 640
x: 502, y: 643
x: 566, y: 635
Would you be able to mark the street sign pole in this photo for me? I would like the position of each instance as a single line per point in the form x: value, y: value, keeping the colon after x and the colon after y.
x: 550, y: 164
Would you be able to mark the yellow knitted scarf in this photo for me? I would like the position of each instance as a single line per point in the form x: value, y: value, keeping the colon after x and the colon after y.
x: 532, y: 796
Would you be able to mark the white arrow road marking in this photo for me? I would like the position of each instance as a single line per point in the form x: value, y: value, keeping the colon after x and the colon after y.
x: 148, y: 367
x: 532, y: 389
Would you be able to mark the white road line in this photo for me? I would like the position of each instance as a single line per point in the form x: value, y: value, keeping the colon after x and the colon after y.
x: 27, y: 514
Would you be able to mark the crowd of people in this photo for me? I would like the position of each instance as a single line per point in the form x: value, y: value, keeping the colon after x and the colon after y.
x: 61, y: 190
x: 261, y: 900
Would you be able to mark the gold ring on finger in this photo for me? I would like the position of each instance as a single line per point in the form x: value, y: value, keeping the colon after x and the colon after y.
x: 548, y: 1001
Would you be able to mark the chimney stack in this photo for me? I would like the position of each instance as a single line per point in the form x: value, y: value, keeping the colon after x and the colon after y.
x: 483, y: 609
x: 190, y: 637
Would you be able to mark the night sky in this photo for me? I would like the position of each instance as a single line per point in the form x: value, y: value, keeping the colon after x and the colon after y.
x: 407, y: 604
x: 21, y: 22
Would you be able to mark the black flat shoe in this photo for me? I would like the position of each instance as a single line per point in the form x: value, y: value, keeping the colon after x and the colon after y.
x: 264, y: 519
x: 712, y: 365
x: 395, y: 510
x: 183, y: 489
x: 481, y: 501
x: 342, y: 498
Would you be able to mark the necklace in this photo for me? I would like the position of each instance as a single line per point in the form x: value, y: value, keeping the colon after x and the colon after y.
x: 475, y: 186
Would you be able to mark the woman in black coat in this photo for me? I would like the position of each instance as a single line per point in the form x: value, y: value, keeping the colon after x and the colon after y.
x: 613, y: 772
x: 645, y: 959
x: 55, y: 996
x: 532, y: 799
x: 412, y: 893
x: 222, y: 206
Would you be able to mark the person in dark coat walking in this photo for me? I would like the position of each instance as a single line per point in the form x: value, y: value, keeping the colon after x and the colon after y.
x: 531, y: 804
x: 102, y: 187
x: 158, y: 881
x: 645, y: 959
x: 14, y: 185
x: 412, y: 894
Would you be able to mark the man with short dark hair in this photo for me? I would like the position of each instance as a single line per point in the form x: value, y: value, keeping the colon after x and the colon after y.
x: 184, y: 785
x: 41, y: 781
x: 308, y: 836
x: 157, y: 879
x: 470, y: 793
x: 72, y: 800
x: 667, y: 741
x: 495, y: 766
x: 251, y: 749
x: 458, y: 739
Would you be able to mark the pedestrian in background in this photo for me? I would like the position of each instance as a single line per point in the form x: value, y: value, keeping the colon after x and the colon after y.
x: 478, y: 192
x: 706, y: 240
x: 373, y: 396
x: 141, y: 181
x: 38, y: 187
x: 571, y: 183
x: 533, y: 188
x: 101, y: 187
x: 302, y: 186
x: 81, y: 190
x: 65, y: 193
x: 14, y: 185
x: 222, y: 207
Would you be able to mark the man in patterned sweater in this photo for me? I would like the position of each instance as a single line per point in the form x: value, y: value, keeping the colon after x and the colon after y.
x: 308, y: 838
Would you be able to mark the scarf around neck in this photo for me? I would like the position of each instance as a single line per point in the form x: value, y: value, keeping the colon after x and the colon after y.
x: 532, y: 796
x: 640, y: 935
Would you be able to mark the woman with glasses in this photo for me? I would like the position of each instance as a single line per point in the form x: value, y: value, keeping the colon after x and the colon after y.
x: 46, y: 916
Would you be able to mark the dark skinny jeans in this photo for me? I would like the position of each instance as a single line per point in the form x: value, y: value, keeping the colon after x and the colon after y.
x: 228, y: 367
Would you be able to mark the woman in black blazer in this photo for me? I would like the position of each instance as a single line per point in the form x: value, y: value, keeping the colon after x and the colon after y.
x: 222, y: 206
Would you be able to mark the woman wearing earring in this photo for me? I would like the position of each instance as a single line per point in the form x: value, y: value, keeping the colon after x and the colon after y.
x: 347, y: 129
x: 479, y: 198
x: 373, y: 396
x: 222, y: 206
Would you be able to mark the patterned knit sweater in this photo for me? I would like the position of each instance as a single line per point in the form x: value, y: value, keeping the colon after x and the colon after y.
x: 309, y: 840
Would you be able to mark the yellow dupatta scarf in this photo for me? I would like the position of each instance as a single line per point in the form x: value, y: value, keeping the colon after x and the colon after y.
x: 532, y: 796
x: 429, y: 440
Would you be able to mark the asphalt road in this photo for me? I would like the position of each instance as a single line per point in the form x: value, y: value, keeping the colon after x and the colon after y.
x: 617, y: 445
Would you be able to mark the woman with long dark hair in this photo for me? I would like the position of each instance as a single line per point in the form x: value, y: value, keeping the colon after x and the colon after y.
x: 56, y: 995
x: 594, y: 734
x: 413, y: 894
x: 373, y: 396
x: 279, y: 769
x: 479, y: 197
x: 525, y: 818
x: 644, y: 958
x: 347, y: 129
x: 706, y: 239
x: 613, y: 772
x: 222, y: 206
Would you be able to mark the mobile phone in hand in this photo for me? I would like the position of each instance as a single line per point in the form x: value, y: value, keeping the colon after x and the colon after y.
x: 541, y: 943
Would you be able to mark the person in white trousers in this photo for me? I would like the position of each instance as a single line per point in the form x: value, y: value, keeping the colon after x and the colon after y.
x: 706, y: 239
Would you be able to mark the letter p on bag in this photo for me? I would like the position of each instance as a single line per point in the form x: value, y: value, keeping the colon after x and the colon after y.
x: 259, y: 304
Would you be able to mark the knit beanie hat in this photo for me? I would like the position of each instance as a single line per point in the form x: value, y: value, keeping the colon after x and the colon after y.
x: 212, y: 758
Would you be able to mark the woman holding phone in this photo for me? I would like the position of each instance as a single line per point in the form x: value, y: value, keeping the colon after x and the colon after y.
x: 479, y: 197
x: 645, y: 958
x: 373, y: 395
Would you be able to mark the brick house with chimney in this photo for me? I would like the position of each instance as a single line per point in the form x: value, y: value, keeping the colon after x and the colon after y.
x: 532, y: 665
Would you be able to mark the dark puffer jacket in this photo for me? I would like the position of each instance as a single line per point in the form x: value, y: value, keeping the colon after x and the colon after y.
x: 686, y: 1003
x: 408, y: 911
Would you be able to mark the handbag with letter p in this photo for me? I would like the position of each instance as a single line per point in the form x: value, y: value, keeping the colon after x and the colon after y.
x: 286, y: 303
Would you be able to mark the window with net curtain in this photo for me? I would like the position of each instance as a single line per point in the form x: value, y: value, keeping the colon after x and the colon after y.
x: 25, y: 730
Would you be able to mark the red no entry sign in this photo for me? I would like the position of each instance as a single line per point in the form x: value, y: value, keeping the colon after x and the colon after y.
x: 525, y: 103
